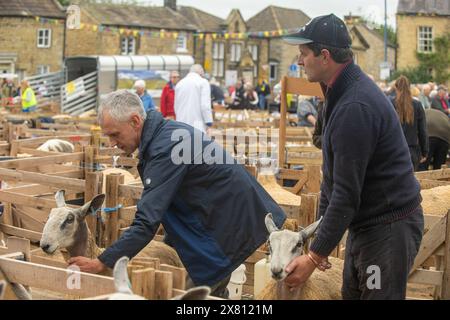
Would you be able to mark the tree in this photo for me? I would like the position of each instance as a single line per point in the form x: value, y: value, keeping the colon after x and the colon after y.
x: 418, y: 74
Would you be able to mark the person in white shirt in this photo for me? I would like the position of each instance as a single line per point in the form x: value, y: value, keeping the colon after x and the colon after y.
x: 193, y: 99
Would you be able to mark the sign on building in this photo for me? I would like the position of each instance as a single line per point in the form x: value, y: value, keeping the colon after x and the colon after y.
x: 73, y: 20
x: 385, y: 70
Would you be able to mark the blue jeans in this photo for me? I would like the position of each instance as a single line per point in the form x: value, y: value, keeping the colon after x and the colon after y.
x: 262, y: 101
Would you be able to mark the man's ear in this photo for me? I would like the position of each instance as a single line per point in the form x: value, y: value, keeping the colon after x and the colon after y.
x: 326, y: 55
x: 135, y: 121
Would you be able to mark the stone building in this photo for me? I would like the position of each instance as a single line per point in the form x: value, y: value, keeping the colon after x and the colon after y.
x: 31, y: 36
x: 419, y: 23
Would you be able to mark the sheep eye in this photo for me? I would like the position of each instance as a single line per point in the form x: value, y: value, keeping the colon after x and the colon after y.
x: 69, y: 219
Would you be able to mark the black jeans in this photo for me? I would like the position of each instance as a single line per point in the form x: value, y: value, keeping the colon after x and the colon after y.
x: 437, y: 154
x: 378, y: 259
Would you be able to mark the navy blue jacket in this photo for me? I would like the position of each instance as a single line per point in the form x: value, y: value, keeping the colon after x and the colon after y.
x: 213, y: 213
x: 367, y: 171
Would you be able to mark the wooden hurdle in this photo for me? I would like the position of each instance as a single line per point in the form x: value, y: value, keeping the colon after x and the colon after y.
x: 435, y: 244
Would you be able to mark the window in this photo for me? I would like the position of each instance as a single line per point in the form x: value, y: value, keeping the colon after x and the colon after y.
x: 182, y: 43
x: 218, y: 59
x: 44, y: 38
x: 253, y: 49
x: 43, y: 69
x: 128, y: 46
x: 425, y: 40
x: 273, y: 75
x: 235, y: 52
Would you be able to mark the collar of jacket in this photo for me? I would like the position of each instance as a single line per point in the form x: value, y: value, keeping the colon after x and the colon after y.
x: 151, y: 124
x: 347, y: 77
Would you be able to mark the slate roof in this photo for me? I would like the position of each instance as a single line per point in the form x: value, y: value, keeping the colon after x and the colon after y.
x: 275, y: 18
x: 204, y: 21
x: 437, y: 7
x: 24, y: 8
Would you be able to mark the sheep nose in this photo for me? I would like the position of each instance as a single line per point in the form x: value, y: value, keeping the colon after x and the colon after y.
x: 276, y: 273
x: 45, y: 247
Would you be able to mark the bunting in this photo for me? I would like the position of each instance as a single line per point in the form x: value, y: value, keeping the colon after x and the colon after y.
x: 167, y: 34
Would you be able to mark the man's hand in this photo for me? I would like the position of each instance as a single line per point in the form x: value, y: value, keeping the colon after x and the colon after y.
x: 299, y: 270
x: 88, y: 265
x: 423, y: 159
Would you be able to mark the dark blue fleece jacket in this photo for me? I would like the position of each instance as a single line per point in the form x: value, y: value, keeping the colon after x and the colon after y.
x: 367, y: 172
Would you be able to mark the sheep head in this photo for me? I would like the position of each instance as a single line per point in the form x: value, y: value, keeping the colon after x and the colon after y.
x: 285, y: 245
x: 64, y: 222
x: 124, y: 292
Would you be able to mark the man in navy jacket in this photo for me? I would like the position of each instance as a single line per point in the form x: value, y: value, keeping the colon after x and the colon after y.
x: 212, y: 209
x: 368, y: 183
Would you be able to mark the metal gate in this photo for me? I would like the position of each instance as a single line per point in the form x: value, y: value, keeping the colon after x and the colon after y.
x: 47, y: 87
x: 79, y: 95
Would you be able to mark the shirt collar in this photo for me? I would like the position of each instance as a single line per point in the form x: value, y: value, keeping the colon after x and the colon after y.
x: 337, y: 74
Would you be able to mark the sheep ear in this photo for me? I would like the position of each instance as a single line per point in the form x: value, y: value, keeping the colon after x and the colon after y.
x: 59, y: 197
x: 197, y: 293
x: 120, y: 273
x: 20, y: 291
x: 270, y: 225
x: 308, y: 232
x: 93, y: 205
x: 2, y: 288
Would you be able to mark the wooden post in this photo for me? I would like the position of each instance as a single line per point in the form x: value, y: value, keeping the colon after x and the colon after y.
x: 445, y: 293
x: 163, y: 285
x: 96, y: 137
x: 143, y: 282
x: 178, y: 275
x: 89, y: 158
x: 282, y: 129
x: 92, y: 182
x: 313, y: 183
x: 7, y: 214
x: 10, y: 132
x: 16, y: 244
x: 308, y: 209
x: 113, y: 181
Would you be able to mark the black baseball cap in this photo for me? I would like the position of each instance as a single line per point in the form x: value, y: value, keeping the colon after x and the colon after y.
x: 327, y: 30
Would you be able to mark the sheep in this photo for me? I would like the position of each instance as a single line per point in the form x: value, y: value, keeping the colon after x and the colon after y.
x: 13, y: 291
x: 2, y: 288
x: 122, y: 284
x: 286, y: 245
x: 128, y: 177
x: 436, y: 200
x: 66, y: 228
x: 57, y: 145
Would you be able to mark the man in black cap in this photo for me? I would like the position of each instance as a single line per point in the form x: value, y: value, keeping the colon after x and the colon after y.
x: 368, y: 183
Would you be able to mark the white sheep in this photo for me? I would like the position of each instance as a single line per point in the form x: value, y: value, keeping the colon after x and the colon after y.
x: 57, y: 145
x: 286, y: 245
x: 66, y: 228
x: 15, y: 290
x: 124, y: 292
x: 2, y: 288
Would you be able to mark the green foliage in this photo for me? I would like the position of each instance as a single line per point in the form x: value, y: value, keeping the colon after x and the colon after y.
x: 439, y: 60
x: 419, y: 74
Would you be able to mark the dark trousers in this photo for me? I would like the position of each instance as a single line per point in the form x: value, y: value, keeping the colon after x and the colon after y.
x: 379, y: 258
x: 437, y: 154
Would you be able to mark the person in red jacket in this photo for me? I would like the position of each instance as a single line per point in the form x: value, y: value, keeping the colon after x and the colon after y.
x: 168, y: 96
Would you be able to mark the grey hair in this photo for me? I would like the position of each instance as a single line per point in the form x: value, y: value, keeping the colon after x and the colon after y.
x: 197, y: 68
x: 121, y: 104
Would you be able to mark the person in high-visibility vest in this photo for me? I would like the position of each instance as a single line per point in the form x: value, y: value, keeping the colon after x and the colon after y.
x: 28, y: 97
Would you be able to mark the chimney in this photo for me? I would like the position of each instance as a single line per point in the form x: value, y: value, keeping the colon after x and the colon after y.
x: 172, y: 4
